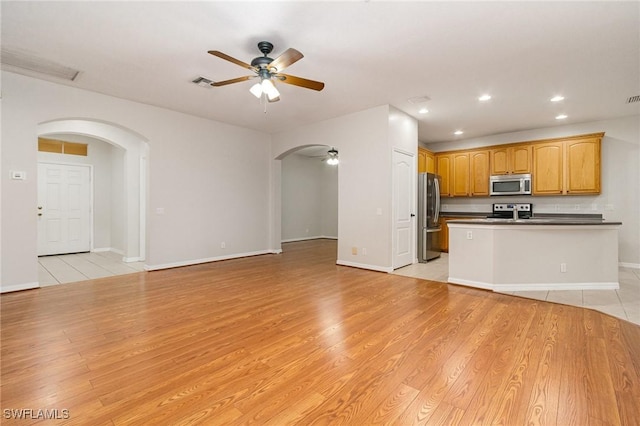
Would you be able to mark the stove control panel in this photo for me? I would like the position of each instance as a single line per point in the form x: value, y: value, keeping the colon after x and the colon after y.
x: 509, y: 207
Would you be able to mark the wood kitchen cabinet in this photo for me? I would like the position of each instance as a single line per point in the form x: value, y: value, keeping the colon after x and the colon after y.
x: 460, y: 174
x: 479, y: 173
x: 512, y: 159
x: 548, y: 164
x: 464, y: 173
x: 582, y: 174
x: 426, y: 161
x: 569, y: 166
x: 443, y: 168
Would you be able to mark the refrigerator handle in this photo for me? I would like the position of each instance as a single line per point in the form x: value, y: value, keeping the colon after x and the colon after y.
x: 436, y: 216
x: 423, y: 216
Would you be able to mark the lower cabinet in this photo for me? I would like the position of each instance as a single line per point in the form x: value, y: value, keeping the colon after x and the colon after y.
x: 444, y: 233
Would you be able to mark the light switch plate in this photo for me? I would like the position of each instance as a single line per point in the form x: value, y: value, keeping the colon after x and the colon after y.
x: 18, y: 175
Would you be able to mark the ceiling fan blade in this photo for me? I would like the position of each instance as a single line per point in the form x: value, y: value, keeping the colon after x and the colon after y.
x: 289, y: 57
x: 233, y: 80
x: 231, y: 59
x: 299, y: 81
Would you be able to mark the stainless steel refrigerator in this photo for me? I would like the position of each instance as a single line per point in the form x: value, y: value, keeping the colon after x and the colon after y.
x: 428, y: 217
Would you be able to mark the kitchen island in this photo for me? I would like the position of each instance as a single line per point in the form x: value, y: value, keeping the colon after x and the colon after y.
x: 534, y: 254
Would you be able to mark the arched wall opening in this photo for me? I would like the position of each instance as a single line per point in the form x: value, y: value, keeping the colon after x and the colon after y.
x: 307, y: 199
x: 136, y: 150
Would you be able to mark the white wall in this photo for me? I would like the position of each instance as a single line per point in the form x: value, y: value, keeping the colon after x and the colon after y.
x: 620, y: 181
x: 118, y: 204
x: 211, y: 179
x: 365, y: 141
x: 309, y: 198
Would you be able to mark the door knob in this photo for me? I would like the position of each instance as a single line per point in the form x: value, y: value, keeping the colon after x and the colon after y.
x: 39, y: 214
x: 413, y: 215
x: 39, y: 207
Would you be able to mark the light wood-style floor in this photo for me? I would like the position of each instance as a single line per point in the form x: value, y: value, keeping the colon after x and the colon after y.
x: 295, y: 339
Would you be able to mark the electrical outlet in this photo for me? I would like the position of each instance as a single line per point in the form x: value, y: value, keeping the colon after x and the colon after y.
x: 563, y: 267
x: 608, y: 207
x: 469, y: 235
x: 223, y: 245
x: 364, y: 251
x: 594, y: 207
x: 354, y: 251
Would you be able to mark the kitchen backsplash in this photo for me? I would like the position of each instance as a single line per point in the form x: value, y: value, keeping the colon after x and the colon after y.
x: 570, y: 205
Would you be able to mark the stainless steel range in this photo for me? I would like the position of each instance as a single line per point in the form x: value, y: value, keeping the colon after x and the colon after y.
x: 512, y: 211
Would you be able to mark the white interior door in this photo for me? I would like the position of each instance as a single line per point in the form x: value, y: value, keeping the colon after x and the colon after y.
x: 64, y: 208
x: 403, y: 209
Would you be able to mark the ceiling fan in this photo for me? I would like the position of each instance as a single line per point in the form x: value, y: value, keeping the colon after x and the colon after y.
x: 269, y: 70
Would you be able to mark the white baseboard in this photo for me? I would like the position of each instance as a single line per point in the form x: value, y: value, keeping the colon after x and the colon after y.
x: 536, y: 286
x: 319, y: 237
x: 19, y: 287
x: 101, y: 250
x: 132, y: 259
x: 365, y: 266
x: 470, y: 283
x: 207, y: 260
x: 629, y: 265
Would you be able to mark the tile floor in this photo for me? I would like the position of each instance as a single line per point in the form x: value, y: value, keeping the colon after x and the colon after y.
x: 622, y: 303
x: 68, y: 268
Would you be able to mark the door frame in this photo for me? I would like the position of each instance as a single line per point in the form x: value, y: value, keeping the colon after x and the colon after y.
x: 91, y: 183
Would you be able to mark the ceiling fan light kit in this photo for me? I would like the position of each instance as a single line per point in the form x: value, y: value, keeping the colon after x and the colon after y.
x: 333, y: 157
x: 269, y: 70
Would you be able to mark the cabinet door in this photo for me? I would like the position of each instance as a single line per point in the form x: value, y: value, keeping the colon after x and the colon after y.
x: 460, y: 181
x: 479, y: 176
x: 431, y: 162
x: 500, y: 161
x: 444, y: 235
x: 443, y: 168
x: 422, y: 160
x: 520, y: 159
x: 583, y: 166
x: 548, y: 174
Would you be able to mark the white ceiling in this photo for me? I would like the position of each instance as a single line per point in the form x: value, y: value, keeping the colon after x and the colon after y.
x: 368, y: 54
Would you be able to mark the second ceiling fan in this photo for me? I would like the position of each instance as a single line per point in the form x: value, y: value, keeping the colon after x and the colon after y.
x: 268, y: 70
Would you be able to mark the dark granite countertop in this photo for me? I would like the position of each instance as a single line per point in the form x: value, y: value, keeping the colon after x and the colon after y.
x: 535, y: 221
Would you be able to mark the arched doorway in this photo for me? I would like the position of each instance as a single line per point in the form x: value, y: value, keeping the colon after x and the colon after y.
x: 134, y: 174
x: 308, y: 194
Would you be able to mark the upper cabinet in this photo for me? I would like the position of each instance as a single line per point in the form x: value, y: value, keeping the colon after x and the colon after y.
x: 464, y: 173
x: 460, y: 174
x: 511, y: 159
x: 479, y: 173
x: 561, y: 166
x: 569, y: 166
x: 426, y: 161
x: 443, y: 168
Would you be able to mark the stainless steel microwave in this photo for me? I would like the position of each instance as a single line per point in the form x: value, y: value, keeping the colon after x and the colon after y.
x: 510, y: 184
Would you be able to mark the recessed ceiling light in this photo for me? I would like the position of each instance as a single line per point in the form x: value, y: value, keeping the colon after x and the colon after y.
x: 561, y: 117
x: 458, y: 132
x: 423, y: 111
x: 557, y: 98
x: 484, y: 98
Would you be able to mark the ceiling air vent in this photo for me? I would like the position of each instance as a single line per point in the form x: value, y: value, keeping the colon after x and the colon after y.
x: 23, y: 63
x: 633, y: 99
x: 202, y: 81
x: 419, y: 100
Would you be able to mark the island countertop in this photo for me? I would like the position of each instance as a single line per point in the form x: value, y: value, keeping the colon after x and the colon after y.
x: 534, y: 221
